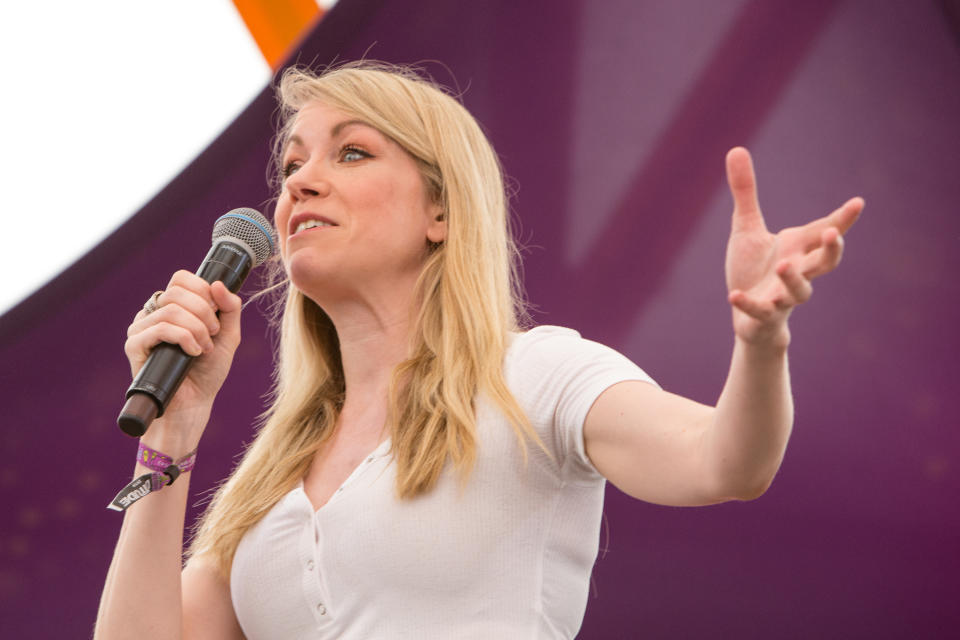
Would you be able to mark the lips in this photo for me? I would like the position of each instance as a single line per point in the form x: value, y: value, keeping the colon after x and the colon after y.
x: 308, y: 218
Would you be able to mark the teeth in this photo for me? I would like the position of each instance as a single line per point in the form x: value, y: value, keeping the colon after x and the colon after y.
x: 310, y: 224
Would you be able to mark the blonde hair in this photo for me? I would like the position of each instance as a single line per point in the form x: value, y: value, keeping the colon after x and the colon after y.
x: 469, y: 302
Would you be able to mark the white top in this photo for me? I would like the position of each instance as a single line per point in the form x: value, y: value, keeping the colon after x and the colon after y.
x: 509, y: 558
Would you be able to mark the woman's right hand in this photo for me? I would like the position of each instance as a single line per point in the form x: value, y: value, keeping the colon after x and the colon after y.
x: 186, y: 315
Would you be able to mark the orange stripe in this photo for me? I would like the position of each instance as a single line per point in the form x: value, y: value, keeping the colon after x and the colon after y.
x: 277, y: 24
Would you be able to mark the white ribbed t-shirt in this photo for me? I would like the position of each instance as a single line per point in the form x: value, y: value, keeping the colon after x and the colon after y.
x: 508, y: 557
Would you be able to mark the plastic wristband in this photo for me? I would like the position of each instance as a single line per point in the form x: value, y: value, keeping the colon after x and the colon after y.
x: 165, y: 472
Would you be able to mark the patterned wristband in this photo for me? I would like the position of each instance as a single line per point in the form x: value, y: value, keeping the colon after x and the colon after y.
x: 156, y: 461
x: 165, y: 472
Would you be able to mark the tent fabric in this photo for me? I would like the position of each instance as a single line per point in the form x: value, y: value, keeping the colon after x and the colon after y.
x: 275, y: 26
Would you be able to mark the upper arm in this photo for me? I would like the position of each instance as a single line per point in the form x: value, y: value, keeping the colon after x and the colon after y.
x: 650, y: 444
x: 207, y: 605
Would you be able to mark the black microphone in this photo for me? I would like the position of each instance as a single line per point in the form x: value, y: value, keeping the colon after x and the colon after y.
x: 242, y: 239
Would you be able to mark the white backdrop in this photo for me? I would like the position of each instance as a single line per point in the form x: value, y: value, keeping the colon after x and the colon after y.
x: 104, y: 102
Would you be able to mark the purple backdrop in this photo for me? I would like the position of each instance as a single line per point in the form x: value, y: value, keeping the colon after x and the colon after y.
x: 612, y: 119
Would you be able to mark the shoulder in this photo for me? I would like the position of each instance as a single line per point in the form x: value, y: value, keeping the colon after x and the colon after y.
x: 546, y: 341
x: 549, y: 349
x: 556, y: 375
x: 543, y: 334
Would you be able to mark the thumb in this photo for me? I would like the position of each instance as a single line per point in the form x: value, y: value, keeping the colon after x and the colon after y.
x: 229, y: 306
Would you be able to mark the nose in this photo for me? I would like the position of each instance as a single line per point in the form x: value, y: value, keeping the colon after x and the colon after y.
x: 307, y: 181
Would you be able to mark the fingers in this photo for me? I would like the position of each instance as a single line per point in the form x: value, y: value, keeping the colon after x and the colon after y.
x: 797, y: 288
x: 826, y: 257
x: 743, y: 188
x: 186, y: 292
x: 139, y: 343
x: 186, y: 315
x: 191, y: 293
x: 821, y: 242
x: 794, y: 289
x: 841, y: 219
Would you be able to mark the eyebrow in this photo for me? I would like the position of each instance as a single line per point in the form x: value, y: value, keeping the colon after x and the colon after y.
x: 336, y: 130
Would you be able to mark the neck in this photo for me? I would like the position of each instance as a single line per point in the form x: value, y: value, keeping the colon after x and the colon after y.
x: 374, y: 334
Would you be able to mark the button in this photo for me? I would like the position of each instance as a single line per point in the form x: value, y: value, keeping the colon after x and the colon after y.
x: 310, y: 565
x: 322, y: 609
x: 340, y: 489
x: 370, y: 459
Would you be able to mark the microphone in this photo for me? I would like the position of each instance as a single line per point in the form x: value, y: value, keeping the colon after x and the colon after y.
x: 242, y: 239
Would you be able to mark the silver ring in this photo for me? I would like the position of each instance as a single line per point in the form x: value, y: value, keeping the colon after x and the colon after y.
x: 151, y: 304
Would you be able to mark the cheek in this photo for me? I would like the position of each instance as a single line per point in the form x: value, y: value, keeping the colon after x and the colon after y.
x: 400, y: 210
x: 281, y: 216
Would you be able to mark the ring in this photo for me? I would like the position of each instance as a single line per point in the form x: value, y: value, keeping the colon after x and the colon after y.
x: 151, y: 304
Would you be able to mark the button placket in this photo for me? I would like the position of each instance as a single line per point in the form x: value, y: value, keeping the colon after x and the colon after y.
x: 312, y: 584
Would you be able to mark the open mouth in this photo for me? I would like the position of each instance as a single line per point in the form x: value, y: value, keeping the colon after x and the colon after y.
x: 308, y: 221
x: 310, y: 224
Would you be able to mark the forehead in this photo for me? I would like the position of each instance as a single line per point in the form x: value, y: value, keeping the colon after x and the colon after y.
x: 318, y: 118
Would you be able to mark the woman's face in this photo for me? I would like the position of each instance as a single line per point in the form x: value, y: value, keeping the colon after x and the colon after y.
x: 353, y: 210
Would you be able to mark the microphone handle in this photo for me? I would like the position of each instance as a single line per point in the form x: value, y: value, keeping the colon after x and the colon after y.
x: 167, y: 366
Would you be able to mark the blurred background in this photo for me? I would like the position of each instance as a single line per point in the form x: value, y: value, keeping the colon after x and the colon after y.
x: 91, y: 84
x: 129, y: 127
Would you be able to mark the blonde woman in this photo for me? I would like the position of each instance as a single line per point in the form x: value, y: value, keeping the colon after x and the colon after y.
x: 428, y: 469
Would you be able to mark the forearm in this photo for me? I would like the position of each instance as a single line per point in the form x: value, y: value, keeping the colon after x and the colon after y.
x: 142, y: 595
x: 752, y: 421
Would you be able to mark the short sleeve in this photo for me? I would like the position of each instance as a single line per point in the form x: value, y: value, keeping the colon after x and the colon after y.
x: 556, y: 376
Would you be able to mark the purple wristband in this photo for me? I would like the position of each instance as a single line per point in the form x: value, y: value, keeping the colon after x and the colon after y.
x: 165, y: 471
x: 156, y: 461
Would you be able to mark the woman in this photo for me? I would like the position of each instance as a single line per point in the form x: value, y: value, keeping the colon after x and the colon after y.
x: 427, y: 469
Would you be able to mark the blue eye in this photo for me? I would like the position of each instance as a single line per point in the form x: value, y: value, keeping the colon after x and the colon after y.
x: 351, y: 153
x: 290, y: 168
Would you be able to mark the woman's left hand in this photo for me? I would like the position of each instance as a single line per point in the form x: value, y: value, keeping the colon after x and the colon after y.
x: 768, y: 275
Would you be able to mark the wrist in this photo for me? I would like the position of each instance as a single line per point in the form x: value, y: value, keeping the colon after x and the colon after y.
x: 763, y: 346
x: 162, y: 471
x: 176, y: 434
x: 770, y: 335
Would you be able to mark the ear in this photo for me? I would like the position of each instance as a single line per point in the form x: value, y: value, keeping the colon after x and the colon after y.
x: 437, y: 225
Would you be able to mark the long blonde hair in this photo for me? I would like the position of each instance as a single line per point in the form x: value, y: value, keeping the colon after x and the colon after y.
x: 469, y: 302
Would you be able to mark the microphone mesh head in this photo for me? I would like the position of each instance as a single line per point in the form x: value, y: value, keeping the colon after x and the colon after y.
x: 250, y: 228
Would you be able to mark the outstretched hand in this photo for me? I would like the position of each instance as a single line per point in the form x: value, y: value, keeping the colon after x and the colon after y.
x: 768, y: 275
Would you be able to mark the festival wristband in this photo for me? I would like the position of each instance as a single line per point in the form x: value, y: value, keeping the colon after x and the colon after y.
x: 165, y: 472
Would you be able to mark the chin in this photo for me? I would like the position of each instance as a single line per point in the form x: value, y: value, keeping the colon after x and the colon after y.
x: 303, y: 269
x: 315, y: 276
